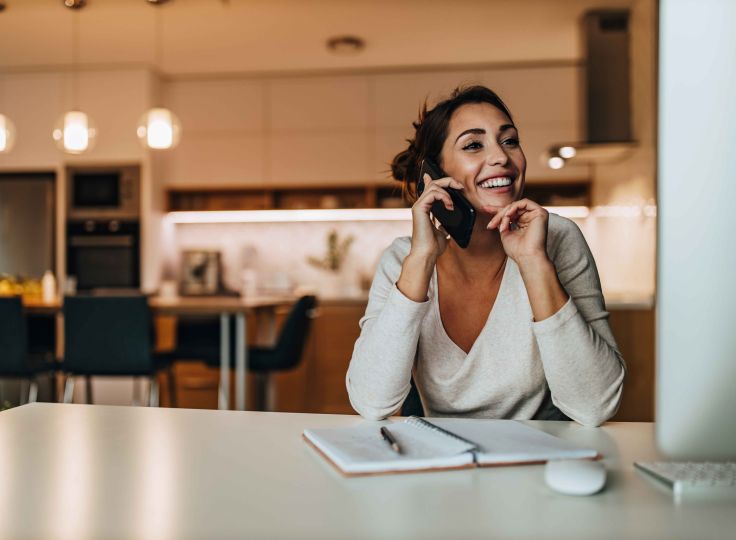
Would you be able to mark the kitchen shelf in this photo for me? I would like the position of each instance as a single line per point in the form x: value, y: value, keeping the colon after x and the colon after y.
x: 350, y: 196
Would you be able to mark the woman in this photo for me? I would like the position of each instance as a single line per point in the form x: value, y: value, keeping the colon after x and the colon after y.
x: 513, y: 326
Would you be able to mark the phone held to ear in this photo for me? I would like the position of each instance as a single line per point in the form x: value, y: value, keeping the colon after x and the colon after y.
x: 459, y: 222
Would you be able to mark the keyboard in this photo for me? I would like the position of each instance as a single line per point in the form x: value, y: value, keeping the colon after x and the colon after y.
x: 697, y: 479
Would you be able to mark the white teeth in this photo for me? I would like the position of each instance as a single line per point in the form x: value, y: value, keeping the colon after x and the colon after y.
x: 500, y: 181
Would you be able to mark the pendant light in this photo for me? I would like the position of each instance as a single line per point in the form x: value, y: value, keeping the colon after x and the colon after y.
x: 158, y: 128
x: 75, y: 132
x: 7, y: 128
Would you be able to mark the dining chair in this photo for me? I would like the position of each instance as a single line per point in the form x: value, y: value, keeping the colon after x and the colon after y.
x: 412, y: 405
x: 17, y: 360
x: 286, y: 353
x: 109, y: 336
x: 200, y: 340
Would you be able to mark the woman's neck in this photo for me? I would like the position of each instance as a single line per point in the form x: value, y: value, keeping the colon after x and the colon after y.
x: 485, y: 251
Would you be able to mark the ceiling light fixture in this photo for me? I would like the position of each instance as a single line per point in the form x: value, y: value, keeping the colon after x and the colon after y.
x: 158, y: 128
x: 75, y: 132
x: 345, y: 45
x: 555, y: 162
x: 74, y: 4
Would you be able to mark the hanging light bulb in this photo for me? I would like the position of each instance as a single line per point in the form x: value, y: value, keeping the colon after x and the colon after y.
x: 75, y: 132
x: 159, y: 129
x: 555, y: 162
x: 7, y: 134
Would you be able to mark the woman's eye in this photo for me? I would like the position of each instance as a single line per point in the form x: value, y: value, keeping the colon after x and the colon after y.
x: 474, y: 145
x: 511, y: 142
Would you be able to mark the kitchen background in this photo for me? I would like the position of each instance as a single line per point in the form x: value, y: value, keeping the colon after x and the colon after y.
x: 269, y: 108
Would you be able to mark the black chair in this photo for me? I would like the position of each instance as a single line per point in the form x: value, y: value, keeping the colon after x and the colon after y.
x: 16, y: 359
x: 284, y: 355
x: 412, y: 405
x: 109, y: 336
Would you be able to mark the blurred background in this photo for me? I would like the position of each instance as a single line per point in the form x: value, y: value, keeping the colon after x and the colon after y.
x: 241, y: 147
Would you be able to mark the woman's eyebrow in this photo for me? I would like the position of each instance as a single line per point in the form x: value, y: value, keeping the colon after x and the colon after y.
x: 475, y: 131
x: 481, y: 131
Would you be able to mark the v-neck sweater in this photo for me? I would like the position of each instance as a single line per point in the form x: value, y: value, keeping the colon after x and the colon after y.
x: 516, y: 368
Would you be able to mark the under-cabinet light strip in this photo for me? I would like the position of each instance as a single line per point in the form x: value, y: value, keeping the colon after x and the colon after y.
x: 277, y: 216
x: 360, y: 214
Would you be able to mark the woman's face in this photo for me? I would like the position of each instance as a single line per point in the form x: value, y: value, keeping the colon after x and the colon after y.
x: 482, y: 151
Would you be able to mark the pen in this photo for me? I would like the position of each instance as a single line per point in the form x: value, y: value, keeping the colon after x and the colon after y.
x: 386, y: 434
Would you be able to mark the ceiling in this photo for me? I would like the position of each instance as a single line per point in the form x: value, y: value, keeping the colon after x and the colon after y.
x: 258, y: 36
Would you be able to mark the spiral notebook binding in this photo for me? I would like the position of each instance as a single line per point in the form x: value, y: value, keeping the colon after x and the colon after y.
x: 425, y: 424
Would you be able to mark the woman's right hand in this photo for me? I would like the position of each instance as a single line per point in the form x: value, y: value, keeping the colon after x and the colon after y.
x: 426, y: 240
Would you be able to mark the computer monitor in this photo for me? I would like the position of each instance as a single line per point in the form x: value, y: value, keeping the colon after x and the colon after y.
x: 696, y: 253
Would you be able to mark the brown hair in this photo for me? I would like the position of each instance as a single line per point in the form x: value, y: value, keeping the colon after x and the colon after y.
x: 431, y: 132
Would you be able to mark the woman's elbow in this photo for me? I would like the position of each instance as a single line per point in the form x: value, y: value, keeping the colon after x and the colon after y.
x: 595, y: 414
x: 366, y: 409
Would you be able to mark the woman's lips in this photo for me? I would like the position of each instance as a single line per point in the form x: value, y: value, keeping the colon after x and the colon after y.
x: 502, y: 189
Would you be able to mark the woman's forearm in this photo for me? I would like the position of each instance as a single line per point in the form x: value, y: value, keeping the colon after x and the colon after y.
x: 416, y: 273
x: 543, y: 287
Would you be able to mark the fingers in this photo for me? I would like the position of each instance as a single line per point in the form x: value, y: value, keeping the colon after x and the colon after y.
x: 442, y: 182
x: 513, y: 213
x: 435, y: 192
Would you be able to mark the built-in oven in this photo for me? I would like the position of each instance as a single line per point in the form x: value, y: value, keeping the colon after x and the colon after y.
x: 103, y: 254
x: 103, y: 192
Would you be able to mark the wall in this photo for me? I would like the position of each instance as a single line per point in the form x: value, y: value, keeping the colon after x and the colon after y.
x: 278, y: 252
x: 345, y: 128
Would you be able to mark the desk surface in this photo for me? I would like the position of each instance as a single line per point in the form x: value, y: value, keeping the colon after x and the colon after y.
x: 81, y: 471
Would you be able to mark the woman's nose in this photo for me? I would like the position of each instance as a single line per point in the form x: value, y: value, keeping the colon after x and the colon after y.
x: 497, y: 155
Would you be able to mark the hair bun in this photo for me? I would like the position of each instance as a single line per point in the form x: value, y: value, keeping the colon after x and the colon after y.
x: 403, y: 164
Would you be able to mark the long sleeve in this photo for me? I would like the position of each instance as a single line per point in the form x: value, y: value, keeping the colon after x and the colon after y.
x: 582, y: 364
x: 380, y: 368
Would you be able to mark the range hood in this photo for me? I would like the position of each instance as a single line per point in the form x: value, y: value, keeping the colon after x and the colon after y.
x: 607, y: 113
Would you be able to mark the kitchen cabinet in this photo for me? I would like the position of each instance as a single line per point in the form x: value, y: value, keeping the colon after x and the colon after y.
x: 634, y: 330
x: 386, y: 194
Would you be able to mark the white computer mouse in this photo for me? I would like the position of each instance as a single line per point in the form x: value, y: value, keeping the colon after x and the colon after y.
x: 575, y: 476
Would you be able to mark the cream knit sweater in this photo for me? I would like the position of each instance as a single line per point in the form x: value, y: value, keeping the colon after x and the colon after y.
x: 517, y: 368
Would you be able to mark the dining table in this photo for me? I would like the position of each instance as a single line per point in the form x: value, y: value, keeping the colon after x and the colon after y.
x: 226, y: 307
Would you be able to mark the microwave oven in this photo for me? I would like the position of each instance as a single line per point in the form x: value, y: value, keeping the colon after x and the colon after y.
x: 103, y: 192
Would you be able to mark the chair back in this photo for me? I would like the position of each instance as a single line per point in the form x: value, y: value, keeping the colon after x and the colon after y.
x: 107, y: 335
x: 13, y: 337
x: 412, y: 405
x: 294, y: 333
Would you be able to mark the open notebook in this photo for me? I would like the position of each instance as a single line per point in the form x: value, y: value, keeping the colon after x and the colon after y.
x: 443, y: 443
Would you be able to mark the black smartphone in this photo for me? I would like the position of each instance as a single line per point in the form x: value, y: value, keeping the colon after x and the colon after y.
x: 459, y: 222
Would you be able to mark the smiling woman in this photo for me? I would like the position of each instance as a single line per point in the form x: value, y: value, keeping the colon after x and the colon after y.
x: 514, y: 325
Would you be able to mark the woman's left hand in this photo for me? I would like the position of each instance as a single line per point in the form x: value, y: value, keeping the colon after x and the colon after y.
x: 527, y: 239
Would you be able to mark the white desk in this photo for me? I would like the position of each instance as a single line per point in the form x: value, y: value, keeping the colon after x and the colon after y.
x: 80, y: 471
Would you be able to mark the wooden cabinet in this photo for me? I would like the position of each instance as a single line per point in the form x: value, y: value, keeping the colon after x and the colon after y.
x: 634, y: 333
x: 335, y: 332
x: 371, y: 195
x: 387, y: 194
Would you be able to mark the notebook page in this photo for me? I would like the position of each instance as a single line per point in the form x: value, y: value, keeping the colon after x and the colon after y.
x: 361, y: 449
x: 509, y: 441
